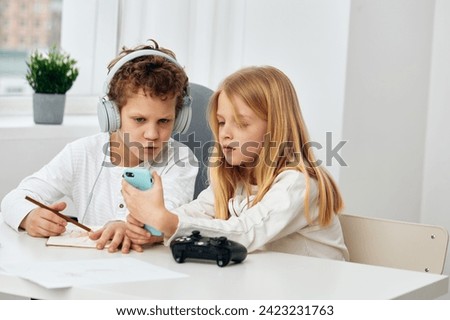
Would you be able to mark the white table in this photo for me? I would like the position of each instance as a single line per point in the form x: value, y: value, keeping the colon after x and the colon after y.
x: 263, y: 275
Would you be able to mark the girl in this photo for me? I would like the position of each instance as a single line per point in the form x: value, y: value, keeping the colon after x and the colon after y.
x: 267, y: 191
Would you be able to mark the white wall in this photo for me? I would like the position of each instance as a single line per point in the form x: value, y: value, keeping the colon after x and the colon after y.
x: 386, y: 98
x: 436, y: 177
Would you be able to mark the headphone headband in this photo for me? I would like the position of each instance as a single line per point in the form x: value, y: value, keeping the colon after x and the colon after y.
x: 131, y: 56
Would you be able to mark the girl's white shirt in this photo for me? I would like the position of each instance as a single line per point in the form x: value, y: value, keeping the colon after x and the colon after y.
x: 276, y: 223
x: 74, y: 171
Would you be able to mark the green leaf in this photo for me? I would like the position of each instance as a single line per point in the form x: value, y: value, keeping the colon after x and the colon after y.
x: 54, y: 72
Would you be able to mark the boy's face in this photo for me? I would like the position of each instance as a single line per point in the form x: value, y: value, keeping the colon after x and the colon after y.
x: 146, y: 125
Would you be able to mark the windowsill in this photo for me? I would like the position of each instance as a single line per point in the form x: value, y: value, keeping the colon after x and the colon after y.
x: 23, y: 127
x: 26, y: 121
x: 76, y: 105
x: 16, y: 119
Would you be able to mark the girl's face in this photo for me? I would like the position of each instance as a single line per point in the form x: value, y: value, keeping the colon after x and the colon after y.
x: 240, y: 141
x: 146, y: 125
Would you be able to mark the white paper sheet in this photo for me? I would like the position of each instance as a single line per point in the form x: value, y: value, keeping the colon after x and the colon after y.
x: 63, y: 274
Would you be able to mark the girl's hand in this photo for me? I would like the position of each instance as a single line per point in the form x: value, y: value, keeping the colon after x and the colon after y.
x: 148, y: 207
x: 144, y: 205
x: 138, y: 235
x: 136, y: 232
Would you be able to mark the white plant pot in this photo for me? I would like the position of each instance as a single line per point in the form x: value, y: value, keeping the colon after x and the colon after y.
x: 48, y: 108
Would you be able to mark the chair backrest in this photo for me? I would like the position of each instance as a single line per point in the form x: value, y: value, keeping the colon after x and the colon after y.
x: 395, y: 244
x: 199, y: 137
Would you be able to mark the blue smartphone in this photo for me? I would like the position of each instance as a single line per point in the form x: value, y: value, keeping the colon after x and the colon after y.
x: 141, y: 179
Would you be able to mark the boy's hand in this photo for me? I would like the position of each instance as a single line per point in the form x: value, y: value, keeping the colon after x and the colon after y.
x: 42, y: 223
x: 113, y: 231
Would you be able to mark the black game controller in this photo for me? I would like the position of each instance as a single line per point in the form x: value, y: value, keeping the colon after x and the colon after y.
x: 195, y: 246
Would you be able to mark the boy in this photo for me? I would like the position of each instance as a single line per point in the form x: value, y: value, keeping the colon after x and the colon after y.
x: 146, y: 99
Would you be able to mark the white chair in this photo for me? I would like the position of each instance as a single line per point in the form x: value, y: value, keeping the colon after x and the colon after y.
x: 395, y: 244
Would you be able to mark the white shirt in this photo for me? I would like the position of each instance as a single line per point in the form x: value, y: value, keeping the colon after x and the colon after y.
x: 276, y: 223
x: 74, y: 172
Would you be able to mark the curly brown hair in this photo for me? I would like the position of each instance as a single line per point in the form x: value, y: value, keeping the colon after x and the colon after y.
x: 157, y: 76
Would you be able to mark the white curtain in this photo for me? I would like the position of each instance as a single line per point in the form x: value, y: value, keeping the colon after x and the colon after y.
x: 206, y: 35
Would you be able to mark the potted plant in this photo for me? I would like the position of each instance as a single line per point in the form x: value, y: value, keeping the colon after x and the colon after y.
x: 50, y: 75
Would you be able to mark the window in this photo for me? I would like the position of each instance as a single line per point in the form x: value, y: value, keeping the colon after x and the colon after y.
x: 23, y: 31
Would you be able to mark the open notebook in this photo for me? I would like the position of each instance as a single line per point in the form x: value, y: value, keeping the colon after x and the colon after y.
x: 74, y: 237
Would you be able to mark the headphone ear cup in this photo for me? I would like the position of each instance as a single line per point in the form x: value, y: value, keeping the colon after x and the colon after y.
x: 184, y: 117
x: 108, y: 115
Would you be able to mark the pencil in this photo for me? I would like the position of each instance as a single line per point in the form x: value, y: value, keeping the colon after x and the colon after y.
x: 82, y: 226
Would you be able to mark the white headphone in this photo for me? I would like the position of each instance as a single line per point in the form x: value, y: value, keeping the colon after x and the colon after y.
x: 109, y: 114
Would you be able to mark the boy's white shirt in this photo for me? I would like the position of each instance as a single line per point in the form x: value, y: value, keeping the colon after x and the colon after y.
x: 276, y: 223
x: 73, y: 171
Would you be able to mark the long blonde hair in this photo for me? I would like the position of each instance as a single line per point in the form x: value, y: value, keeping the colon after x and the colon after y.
x: 271, y: 95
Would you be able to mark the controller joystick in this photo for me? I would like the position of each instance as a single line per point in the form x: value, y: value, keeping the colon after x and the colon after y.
x: 196, y: 234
